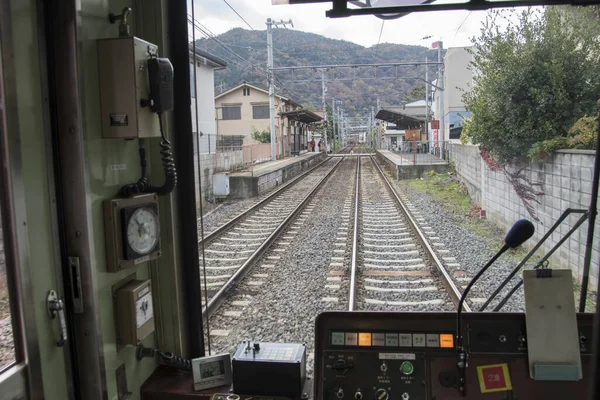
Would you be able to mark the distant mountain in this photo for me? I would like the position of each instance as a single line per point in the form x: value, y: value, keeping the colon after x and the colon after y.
x: 295, y: 48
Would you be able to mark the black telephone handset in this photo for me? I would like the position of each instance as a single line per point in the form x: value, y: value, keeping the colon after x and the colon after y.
x: 160, y: 77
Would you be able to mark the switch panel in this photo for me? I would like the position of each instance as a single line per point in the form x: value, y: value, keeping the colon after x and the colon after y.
x: 134, y: 312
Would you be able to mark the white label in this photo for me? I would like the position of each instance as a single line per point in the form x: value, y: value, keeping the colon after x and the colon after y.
x: 141, y: 260
x: 397, y: 356
x: 118, y: 167
x: 144, y: 310
x: 144, y: 291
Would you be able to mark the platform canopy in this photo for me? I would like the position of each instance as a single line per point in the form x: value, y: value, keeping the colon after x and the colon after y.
x: 304, y: 116
x: 403, y: 121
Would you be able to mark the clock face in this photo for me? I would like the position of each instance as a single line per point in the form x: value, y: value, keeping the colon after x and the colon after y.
x: 142, y: 230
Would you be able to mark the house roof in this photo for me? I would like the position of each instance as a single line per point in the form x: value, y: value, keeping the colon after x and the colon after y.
x: 245, y: 84
x: 418, y: 103
x: 208, y: 58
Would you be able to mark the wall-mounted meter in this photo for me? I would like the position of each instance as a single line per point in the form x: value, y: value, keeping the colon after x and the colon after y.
x: 132, y: 231
x: 134, y: 313
x: 124, y: 88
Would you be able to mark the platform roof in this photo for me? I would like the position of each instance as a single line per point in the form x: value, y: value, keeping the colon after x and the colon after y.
x: 305, y: 116
x: 403, y: 121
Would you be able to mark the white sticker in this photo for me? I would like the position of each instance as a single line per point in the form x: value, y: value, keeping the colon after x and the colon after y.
x: 397, y: 356
x: 118, y: 167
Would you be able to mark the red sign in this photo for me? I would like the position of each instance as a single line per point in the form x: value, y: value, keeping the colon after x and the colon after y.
x: 435, y: 124
x: 494, y: 378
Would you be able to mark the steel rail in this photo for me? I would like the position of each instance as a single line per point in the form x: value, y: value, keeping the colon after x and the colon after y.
x: 447, y: 279
x: 352, y: 297
x: 218, y: 298
x: 223, y: 228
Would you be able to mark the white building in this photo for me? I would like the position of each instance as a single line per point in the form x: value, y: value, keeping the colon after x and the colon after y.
x: 202, y: 89
x: 457, y: 78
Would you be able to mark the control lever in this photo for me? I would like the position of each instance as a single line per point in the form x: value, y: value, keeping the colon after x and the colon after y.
x: 54, y: 306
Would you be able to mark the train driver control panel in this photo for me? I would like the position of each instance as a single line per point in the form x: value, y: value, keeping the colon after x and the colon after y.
x: 413, y: 356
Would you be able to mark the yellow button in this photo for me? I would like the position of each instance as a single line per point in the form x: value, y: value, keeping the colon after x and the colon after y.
x: 364, y: 339
x: 447, y: 341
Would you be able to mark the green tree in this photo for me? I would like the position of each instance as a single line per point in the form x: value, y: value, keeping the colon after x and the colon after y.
x: 261, y: 136
x: 416, y: 93
x: 535, y: 74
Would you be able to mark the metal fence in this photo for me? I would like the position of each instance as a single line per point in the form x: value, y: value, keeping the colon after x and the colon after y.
x: 238, y: 158
x: 415, y: 152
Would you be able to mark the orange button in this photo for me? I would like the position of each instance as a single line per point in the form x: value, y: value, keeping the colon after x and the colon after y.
x: 446, y: 341
x: 364, y: 339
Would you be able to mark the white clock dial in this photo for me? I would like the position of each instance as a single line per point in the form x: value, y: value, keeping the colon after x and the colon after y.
x: 142, y: 230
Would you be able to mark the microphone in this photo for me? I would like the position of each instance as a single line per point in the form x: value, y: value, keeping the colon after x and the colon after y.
x: 521, y: 230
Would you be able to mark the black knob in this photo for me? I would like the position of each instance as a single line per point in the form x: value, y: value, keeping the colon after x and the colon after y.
x: 256, y: 346
x: 382, y: 394
x: 340, y: 365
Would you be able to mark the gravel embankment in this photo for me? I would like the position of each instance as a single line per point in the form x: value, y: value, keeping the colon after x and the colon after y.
x: 470, y: 249
x: 280, y: 299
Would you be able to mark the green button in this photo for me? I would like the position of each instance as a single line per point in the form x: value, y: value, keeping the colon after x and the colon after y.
x: 407, y: 368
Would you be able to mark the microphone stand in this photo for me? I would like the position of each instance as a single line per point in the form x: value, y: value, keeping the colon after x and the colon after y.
x: 460, y: 348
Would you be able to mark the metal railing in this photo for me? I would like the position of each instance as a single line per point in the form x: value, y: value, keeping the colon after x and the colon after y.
x: 415, y: 152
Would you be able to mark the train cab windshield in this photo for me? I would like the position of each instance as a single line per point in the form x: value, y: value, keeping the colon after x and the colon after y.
x: 299, y: 199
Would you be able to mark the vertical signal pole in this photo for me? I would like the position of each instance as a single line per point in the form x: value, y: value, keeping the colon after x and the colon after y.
x: 429, y: 139
x: 271, y: 79
x: 443, y: 91
x: 323, y: 89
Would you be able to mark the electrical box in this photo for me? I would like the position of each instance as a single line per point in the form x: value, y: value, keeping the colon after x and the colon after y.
x: 124, y: 88
x: 269, y: 369
x: 134, y: 312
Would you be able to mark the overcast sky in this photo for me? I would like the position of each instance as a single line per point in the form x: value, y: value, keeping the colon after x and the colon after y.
x: 455, y: 28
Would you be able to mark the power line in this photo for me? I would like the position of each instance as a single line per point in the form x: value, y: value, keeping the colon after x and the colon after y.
x: 238, y: 14
x: 460, y: 26
x: 379, y: 40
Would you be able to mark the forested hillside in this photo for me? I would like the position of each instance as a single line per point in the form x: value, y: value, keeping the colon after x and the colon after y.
x: 295, y: 48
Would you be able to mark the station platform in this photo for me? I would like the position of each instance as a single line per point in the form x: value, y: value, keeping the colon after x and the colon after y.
x: 411, y: 166
x: 264, y: 176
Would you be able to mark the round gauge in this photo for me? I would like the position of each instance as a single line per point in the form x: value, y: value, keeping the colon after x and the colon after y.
x: 142, y: 230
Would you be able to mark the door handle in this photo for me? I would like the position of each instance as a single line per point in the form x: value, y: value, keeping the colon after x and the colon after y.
x: 54, y: 306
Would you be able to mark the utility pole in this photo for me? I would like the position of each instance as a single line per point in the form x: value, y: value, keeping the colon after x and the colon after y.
x: 442, y: 92
x: 427, y: 102
x: 271, y: 79
x: 324, y: 90
x: 372, y: 127
x: 333, y: 121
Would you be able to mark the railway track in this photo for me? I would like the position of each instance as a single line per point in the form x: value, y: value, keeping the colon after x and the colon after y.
x: 231, y: 250
x: 394, y: 267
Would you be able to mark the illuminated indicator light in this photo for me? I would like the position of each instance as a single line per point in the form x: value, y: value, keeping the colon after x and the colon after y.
x: 446, y: 341
x: 364, y: 339
x: 407, y: 368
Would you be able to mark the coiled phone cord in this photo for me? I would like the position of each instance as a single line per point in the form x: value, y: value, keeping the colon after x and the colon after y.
x: 168, y: 162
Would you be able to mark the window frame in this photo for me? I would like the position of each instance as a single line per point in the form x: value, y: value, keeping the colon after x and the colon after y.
x: 262, y: 106
x: 239, y: 108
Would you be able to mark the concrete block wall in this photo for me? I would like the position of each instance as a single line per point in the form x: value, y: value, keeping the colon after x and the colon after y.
x: 567, y: 183
x: 3, y: 284
x: 469, y: 164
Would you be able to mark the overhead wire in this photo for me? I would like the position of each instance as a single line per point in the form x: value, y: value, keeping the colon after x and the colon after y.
x: 460, y: 26
x: 238, y: 14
